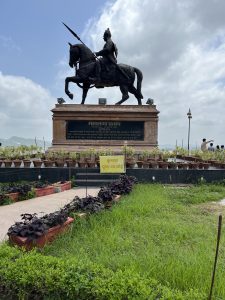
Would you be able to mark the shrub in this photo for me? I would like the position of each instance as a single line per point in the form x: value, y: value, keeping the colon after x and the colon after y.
x: 105, y: 194
x: 34, y: 276
x: 123, y: 185
x: 90, y: 205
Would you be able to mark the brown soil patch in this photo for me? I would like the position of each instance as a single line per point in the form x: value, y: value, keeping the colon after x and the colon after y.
x: 212, y: 208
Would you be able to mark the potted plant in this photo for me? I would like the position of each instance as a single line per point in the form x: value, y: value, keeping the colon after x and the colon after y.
x: 33, y: 231
x: 27, y: 161
x: 8, y: 158
x: 50, y: 160
x: 129, y: 156
x: 91, y: 158
x: 60, y: 157
x: 82, y: 159
x: 37, y: 161
x: 193, y: 165
x: 72, y: 160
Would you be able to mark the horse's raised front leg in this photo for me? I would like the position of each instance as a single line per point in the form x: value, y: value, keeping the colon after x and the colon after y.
x: 74, y: 79
x: 67, y: 81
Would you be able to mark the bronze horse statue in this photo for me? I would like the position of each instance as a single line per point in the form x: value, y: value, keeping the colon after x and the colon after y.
x: 122, y: 76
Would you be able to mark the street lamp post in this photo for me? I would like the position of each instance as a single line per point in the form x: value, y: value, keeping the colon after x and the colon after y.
x: 189, y: 127
x: 125, y: 156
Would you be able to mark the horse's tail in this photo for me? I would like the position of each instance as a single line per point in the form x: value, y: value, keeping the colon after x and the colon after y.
x: 139, y: 81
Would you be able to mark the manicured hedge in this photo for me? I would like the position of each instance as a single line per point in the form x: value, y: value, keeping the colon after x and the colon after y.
x: 35, y: 276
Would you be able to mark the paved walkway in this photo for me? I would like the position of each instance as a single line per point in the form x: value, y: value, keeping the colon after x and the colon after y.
x: 9, y: 214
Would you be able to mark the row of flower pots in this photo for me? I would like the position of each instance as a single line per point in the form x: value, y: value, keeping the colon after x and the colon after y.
x: 214, y: 163
x: 47, y: 163
x: 190, y: 163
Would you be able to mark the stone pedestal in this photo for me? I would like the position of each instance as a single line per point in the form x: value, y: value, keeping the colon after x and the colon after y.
x: 80, y: 127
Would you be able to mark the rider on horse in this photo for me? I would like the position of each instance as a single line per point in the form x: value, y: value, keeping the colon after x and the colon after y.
x: 108, y: 60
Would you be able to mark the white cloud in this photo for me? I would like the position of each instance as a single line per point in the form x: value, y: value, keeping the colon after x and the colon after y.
x: 24, y: 108
x: 180, y: 48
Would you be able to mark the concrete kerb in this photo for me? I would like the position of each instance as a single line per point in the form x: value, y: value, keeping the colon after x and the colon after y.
x: 9, y: 214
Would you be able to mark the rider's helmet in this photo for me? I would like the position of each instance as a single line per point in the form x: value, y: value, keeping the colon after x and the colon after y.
x: 107, y: 33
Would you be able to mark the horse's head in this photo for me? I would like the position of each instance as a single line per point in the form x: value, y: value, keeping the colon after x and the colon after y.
x: 74, y: 55
x: 81, y: 53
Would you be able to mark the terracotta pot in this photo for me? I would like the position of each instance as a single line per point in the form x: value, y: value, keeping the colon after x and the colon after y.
x: 172, y: 165
x: 153, y: 164
x: 203, y: 165
x: 8, y: 163
x: 206, y: 166
x: 211, y: 162
x: 145, y: 165
x: 37, y: 163
x: 13, y: 196
x: 91, y: 164
x: 182, y: 166
x: 48, y: 190
x: 217, y: 164
x: 193, y: 165
x: 81, y: 164
x: 140, y: 164
x: 17, y: 163
x: 48, y: 237
x: 48, y: 163
x: 26, y: 163
x: 71, y: 163
x: 163, y: 164
x: 59, y: 163
x: 130, y: 164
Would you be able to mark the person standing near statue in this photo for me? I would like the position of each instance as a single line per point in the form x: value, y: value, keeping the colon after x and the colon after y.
x: 109, y: 54
x: 204, y: 144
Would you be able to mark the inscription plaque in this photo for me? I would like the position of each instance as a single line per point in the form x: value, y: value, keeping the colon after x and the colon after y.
x: 105, y: 130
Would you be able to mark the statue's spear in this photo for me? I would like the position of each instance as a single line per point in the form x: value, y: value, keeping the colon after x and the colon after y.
x: 77, y: 37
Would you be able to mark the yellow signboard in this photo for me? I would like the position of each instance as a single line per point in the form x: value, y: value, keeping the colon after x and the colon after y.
x: 112, y: 164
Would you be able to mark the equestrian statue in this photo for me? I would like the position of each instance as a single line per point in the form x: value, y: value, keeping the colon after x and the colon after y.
x: 102, y: 72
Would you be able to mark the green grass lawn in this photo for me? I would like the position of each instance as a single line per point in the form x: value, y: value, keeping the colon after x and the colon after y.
x: 162, y: 232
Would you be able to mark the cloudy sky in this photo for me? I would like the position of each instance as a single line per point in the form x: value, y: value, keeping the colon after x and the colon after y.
x: 178, y: 44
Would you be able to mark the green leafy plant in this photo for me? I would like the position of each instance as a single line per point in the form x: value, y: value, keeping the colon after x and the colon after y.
x: 4, y: 199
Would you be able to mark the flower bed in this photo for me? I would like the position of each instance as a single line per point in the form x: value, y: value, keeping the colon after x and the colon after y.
x: 27, y: 190
x: 33, y: 231
x: 40, y: 242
